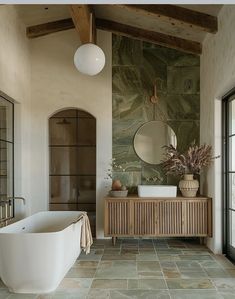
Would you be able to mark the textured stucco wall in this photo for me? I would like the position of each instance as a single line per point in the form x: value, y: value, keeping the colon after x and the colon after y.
x: 136, y: 67
x: 217, y: 78
x: 56, y: 85
x: 15, y: 75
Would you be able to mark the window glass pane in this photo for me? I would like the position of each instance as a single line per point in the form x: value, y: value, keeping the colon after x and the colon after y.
x: 73, y: 160
x: 232, y: 190
x: 86, y: 131
x: 232, y: 153
x: 6, y: 113
x: 63, y: 131
x: 232, y: 228
x: 232, y: 116
x: 6, y: 169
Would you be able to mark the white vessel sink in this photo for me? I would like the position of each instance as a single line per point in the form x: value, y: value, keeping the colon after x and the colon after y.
x: 157, y: 191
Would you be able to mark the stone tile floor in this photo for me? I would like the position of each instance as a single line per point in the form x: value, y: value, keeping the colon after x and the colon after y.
x: 145, y: 269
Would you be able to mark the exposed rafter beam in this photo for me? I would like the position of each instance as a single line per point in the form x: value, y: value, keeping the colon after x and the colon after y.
x: 81, y: 16
x: 121, y: 29
x: 150, y: 36
x: 47, y: 28
x: 176, y: 15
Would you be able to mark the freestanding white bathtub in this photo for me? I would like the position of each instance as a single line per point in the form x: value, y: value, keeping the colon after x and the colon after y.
x: 37, y: 252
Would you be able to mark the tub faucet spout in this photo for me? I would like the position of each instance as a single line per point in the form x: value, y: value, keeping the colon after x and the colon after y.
x: 5, y: 199
x: 16, y: 197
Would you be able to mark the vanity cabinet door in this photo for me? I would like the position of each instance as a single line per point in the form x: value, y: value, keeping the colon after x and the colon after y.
x: 144, y: 218
x: 169, y: 218
x: 196, y: 217
x: 117, y: 218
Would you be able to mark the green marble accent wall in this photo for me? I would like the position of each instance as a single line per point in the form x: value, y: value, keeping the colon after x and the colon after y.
x: 136, y: 66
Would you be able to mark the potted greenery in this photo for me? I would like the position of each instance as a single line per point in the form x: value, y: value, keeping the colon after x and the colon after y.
x: 187, y: 165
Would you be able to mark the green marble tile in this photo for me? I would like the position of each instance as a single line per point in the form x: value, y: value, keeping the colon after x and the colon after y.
x: 127, y: 158
x: 183, y: 80
x: 186, y: 132
x: 153, y: 70
x: 189, y: 284
x: 126, y: 51
x: 152, y: 174
x: 128, y: 179
x: 177, y: 77
x: 124, y: 131
x: 132, y: 106
x: 181, y: 106
x: 126, y: 79
x: 173, y: 57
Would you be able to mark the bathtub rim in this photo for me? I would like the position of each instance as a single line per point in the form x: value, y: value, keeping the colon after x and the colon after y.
x: 38, y: 233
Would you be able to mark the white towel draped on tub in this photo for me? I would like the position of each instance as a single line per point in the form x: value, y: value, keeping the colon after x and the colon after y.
x: 86, y: 236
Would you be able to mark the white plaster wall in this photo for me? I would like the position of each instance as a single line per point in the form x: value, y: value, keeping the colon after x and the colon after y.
x: 217, y: 78
x: 15, y: 75
x: 56, y: 85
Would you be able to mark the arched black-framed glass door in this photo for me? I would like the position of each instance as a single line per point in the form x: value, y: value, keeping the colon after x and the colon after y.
x: 72, y: 146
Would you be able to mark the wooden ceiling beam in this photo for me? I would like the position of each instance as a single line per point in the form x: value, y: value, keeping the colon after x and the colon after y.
x: 48, y: 28
x: 150, y: 36
x: 176, y: 15
x: 121, y: 29
x: 81, y: 16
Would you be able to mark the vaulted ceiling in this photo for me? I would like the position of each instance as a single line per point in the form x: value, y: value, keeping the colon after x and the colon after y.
x: 181, y: 27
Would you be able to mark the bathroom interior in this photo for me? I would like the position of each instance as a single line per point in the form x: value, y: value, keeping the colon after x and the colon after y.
x: 100, y: 107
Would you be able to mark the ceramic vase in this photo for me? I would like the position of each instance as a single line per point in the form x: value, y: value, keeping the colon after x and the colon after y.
x: 188, y: 186
x: 116, y: 185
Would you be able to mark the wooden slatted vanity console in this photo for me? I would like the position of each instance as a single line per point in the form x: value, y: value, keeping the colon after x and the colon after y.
x: 134, y: 216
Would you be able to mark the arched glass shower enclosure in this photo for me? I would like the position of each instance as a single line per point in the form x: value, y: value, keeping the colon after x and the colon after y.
x: 72, y: 146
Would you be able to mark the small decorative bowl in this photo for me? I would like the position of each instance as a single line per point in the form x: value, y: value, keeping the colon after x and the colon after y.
x: 118, y: 193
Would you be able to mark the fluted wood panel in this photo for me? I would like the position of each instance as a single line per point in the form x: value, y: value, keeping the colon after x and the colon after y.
x: 169, y: 218
x: 144, y: 218
x: 179, y: 216
x: 195, y: 218
x: 118, y: 218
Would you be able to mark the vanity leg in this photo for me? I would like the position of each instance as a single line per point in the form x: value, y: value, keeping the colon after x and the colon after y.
x: 202, y: 241
x: 114, y: 240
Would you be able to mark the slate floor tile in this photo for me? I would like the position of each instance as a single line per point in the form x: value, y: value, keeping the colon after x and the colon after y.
x: 189, y: 284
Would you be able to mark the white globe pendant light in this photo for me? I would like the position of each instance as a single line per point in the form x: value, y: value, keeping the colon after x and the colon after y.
x: 89, y: 59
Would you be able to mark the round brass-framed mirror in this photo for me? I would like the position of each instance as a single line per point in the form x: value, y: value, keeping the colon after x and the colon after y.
x: 150, y: 138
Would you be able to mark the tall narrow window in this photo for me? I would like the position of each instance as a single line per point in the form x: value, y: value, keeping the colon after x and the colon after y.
x: 229, y: 174
x: 6, y: 148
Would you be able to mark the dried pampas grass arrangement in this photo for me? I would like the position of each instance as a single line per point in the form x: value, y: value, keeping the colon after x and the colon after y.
x: 191, y: 162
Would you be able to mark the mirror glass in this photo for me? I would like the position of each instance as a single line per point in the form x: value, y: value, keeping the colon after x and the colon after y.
x: 150, y: 138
